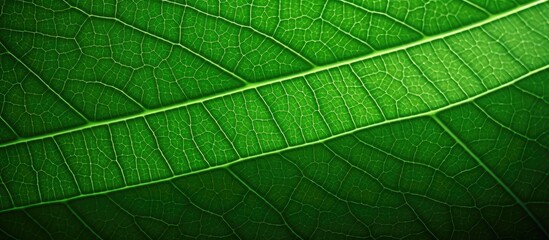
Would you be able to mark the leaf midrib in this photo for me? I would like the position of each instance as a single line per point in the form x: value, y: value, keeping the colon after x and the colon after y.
x: 226, y: 165
x: 250, y: 86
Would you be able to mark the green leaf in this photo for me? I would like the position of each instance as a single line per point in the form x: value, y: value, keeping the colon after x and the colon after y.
x: 274, y: 119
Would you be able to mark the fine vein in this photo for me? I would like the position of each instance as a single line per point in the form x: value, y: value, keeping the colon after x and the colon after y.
x: 275, y: 80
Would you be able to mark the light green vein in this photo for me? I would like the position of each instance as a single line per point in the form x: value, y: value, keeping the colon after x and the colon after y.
x: 10, y: 127
x: 472, y: 4
x: 516, y: 132
x: 277, y: 80
x: 82, y: 221
x: 239, y: 78
x: 264, y: 200
x: 38, y: 224
x: 44, y: 82
x: 225, y: 165
x: 491, y: 173
x: 361, y: 8
x: 244, y: 26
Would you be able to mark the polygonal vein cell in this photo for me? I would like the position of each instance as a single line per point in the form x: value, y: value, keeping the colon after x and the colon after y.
x: 118, y: 61
x: 391, y: 87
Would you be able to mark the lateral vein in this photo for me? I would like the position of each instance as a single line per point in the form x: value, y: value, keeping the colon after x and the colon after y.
x: 490, y: 172
x: 225, y: 165
x: 275, y: 80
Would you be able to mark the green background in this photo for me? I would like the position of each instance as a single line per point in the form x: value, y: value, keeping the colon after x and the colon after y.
x: 274, y: 119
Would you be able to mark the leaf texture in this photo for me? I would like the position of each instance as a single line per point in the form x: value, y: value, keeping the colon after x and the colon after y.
x: 274, y: 119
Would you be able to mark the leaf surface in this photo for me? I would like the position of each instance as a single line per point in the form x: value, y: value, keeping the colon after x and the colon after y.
x: 291, y: 119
